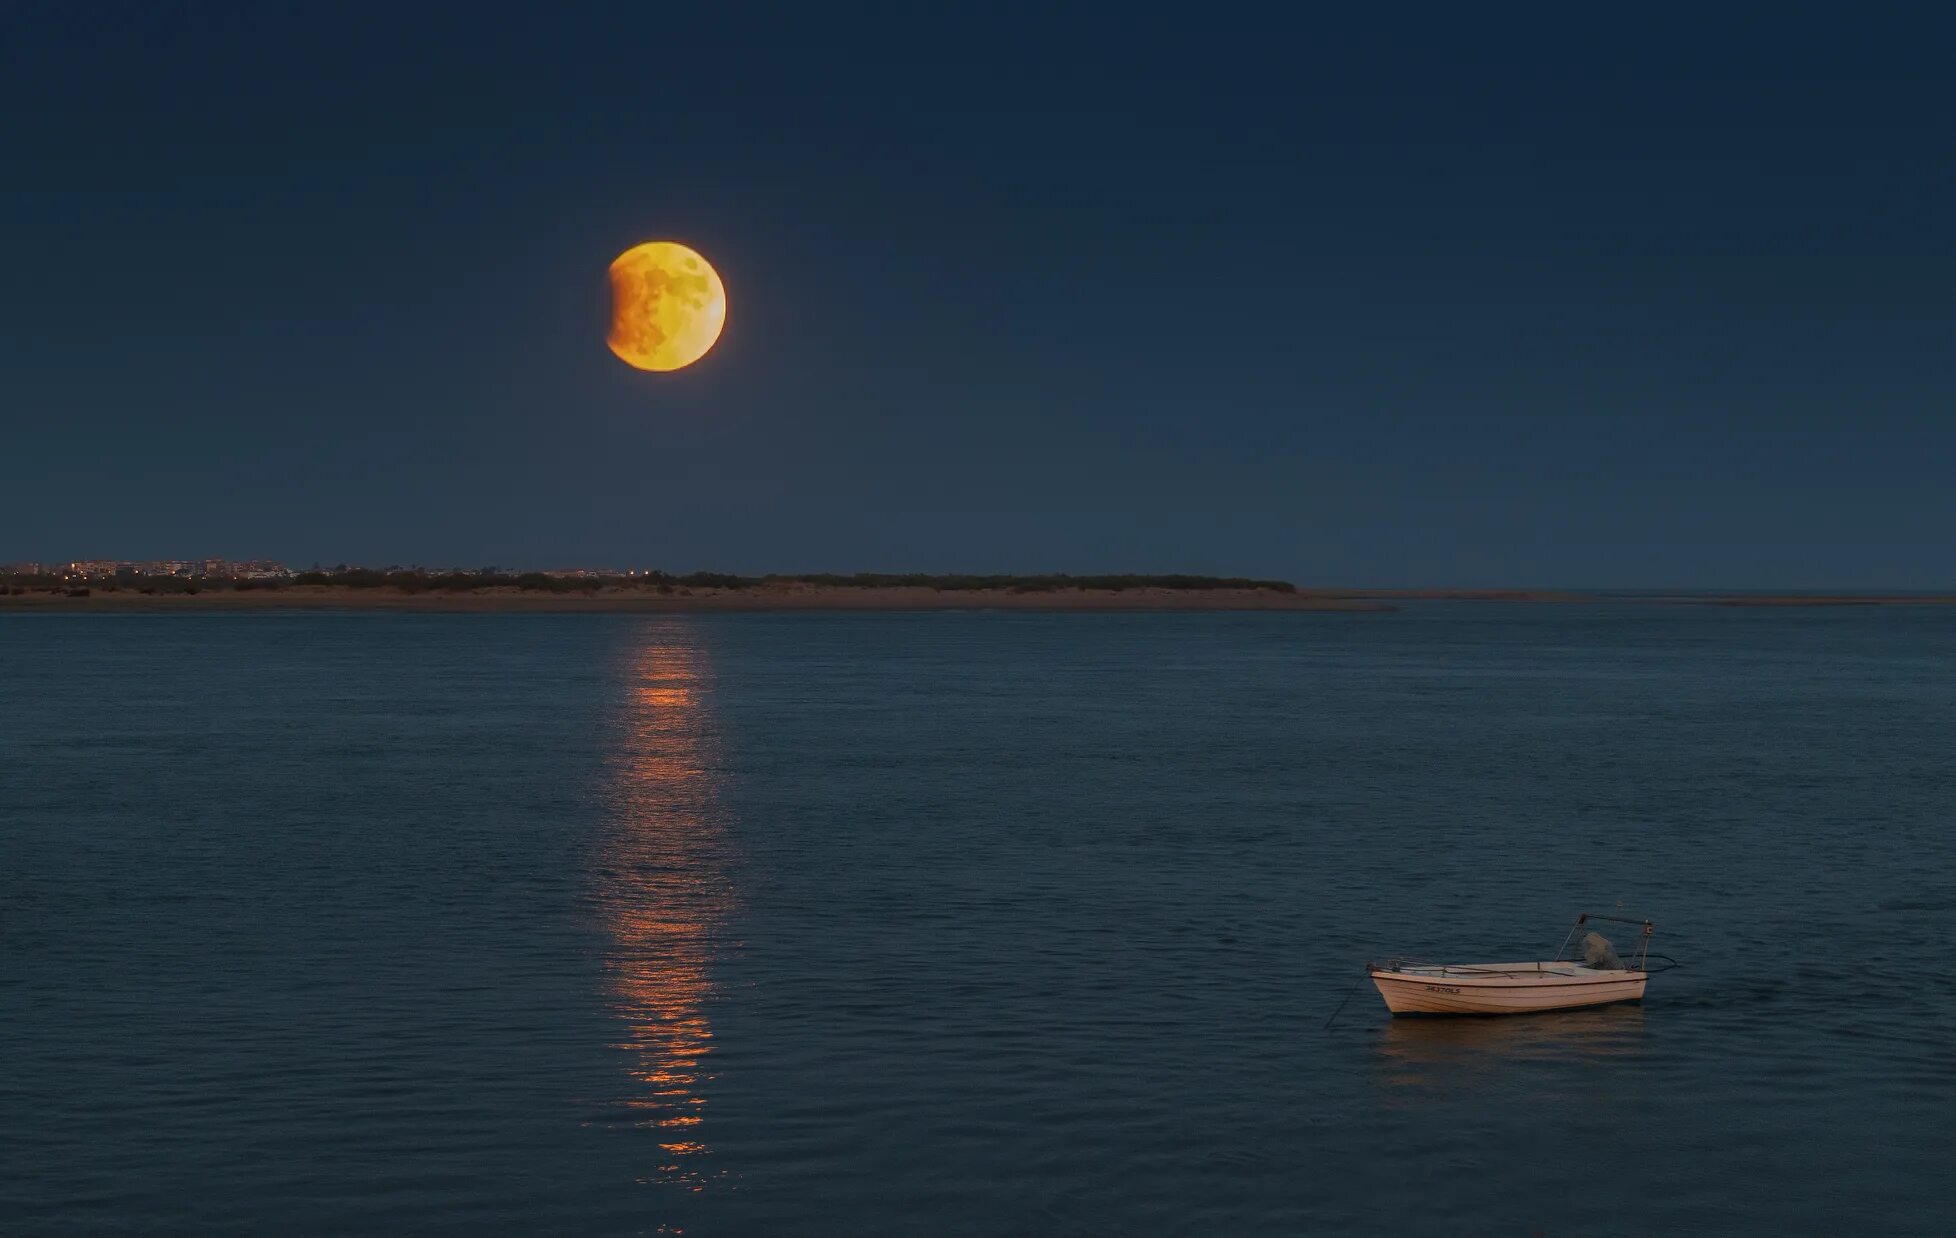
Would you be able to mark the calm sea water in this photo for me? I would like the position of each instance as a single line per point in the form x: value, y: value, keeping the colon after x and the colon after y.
x: 969, y: 923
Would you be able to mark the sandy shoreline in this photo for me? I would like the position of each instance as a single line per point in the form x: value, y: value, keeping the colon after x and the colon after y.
x: 755, y: 598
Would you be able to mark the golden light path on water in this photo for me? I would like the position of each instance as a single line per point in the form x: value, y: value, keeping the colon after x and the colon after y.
x: 663, y: 887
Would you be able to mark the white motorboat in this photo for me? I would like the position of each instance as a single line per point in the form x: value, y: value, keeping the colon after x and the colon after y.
x: 1518, y: 988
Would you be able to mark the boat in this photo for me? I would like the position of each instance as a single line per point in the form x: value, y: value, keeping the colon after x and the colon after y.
x: 1598, y: 979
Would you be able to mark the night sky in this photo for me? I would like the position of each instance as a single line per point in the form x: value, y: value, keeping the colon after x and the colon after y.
x: 1586, y: 299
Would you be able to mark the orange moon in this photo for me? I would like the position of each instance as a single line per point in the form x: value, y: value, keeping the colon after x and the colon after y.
x: 667, y: 306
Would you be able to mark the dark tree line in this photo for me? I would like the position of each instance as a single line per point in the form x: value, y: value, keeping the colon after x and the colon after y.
x: 1033, y: 584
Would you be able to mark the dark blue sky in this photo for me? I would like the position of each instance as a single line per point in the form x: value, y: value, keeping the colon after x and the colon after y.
x: 1575, y: 299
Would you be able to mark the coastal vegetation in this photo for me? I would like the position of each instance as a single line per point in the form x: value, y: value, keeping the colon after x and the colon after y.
x: 1030, y: 584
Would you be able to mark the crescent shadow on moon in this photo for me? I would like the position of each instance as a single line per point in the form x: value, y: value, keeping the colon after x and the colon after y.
x: 668, y: 306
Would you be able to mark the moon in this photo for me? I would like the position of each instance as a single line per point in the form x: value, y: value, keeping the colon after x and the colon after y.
x: 667, y: 306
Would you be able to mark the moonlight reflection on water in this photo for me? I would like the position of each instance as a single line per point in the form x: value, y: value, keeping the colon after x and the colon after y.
x: 664, y: 894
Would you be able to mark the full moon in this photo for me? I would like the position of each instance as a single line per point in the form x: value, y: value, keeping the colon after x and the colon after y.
x: 667, y: 306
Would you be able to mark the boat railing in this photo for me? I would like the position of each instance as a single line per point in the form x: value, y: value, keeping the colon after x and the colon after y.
x: 1456, y: 969
x: 1643, y: 937
x: 1641, y: 961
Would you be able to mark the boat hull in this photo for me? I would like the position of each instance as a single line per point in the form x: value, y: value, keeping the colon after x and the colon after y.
x: 1503, y: 988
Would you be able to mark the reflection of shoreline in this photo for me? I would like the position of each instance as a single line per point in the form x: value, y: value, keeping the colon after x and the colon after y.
x: 1444, y: 1052
x: 663, y: 894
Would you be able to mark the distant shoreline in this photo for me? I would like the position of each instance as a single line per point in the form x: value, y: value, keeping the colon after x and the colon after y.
x: 782, y: 596
x: 762, y: 597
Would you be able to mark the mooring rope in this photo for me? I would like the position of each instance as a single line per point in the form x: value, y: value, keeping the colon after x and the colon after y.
x: 1341, y: 1004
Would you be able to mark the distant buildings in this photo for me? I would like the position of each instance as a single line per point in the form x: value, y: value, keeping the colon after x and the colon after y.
x: 599, y: 573
x: 247, y: 569
x: 83, y: 570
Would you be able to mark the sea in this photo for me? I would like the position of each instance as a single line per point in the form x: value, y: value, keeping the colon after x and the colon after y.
x: 972, y: 923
